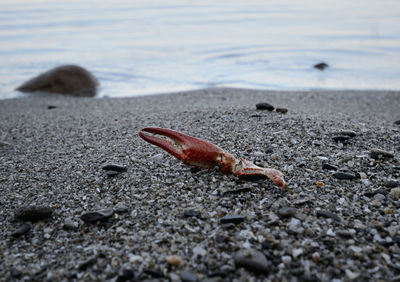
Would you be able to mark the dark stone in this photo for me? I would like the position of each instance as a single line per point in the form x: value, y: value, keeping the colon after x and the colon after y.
x: 302, y: 201
x: 282, y: 110
x: 258, y: 116
x: 251, y: 260
x: 327, y: 214
x: 237, y: 191
x: 15, y: 273
x: 87, y: 263
x: 154, y: 273
x: 50, y: 107
x: 67, y: 79
x: 114, y: 167
x: 345, y: 234
x: 232, y: 218
x: 286, y: 212
x: 264, y: 106
x: 329, y: 167
x: 191, y: 213
x: 341, y: 138
x: 187, y: 276
x: 126, y: 275
x: 397, y: 122
x: 391, y: 184
x: 344, y: 176
x: 21, y: 230
x: 99, y: 215
x: 349, y: 133
x: 379, y: 154
x: 33, y: 213
x: 370, y: 194
x: 321, y: 66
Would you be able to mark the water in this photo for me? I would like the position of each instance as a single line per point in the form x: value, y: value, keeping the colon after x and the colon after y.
x: 144, y: 47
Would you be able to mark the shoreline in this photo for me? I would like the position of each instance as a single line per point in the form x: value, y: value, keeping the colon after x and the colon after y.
x: 53, y: 149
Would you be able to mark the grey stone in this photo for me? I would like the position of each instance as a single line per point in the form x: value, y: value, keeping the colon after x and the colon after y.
x: 251, y: 260
x: 67, y: 79
x: 33, y: 213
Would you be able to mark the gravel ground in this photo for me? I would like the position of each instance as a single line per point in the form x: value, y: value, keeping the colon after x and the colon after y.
x: 63, y: 217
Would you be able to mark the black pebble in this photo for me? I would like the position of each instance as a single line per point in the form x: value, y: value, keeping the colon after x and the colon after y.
x: 15, y: 273
x: 232, y: 218
x: 114, y: 167
x: 21, y: 230
x: 328, y: 214
x: 191, y: 213
x: 251, y: 260
x: 282, y: 110
x: 237, y: 191
x: 154, y: 273
x: 329, y: 167
x: 391, y: 184
x: 187, y: 276
x: 33, y: 213
x: 286, y: 212
x: 99, y: 215
x: 264, y: 106
x: 344, y: 176
x: 341, y: 138
x: 88, y: 263
x: 378, y: 154
x: 397, y: 122
x: 50, y: 107
x: 321, y: 66
x: 257, y: 116
x: 126, y: 275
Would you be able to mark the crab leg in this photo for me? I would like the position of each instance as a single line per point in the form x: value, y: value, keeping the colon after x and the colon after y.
x: 200, y: 153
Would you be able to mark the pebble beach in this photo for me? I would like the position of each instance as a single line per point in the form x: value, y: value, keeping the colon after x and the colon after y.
x: 84, y: 198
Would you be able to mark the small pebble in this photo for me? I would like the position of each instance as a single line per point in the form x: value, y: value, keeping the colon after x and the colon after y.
x: 69, y: 224
x: 126, y: 274
x: 114, y: 167
x: 112, y: 173
x: 251, y: 260
x: 21, y: 230
x: 99, y: 215
x: 341, y: 138
x: 321, y: 66
x: 33, y: 213
x: 329, y: 167
x: 378, y: 154
x: 174, y: 260
x: 233, y: 218
x: 191, y: 213
x: 50, y: 107
x: 391, y: 184
x: 397, y: 122
x: 282, y: 110
x: 286, y: 212
x: 187, y: 276
x: 327, y: 214
x: 395, y: 193
x: 344, y: 176
x: 264, y: 106
x: 349, y: 133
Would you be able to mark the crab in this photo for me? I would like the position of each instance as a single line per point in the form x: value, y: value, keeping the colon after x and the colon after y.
x: 202, y: 154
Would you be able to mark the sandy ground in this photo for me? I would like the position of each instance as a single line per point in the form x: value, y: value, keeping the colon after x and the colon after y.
x: 53, y: 149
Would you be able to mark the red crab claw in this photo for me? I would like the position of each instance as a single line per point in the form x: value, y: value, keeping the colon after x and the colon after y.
x: 200, y: 153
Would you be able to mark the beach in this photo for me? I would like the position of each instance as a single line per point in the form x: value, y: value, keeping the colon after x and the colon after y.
x: 338, y: 217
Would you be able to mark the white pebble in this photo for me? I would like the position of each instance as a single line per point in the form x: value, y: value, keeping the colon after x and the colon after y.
x: 395, y: 193
x: 296, y: 252
x: 286, y: 259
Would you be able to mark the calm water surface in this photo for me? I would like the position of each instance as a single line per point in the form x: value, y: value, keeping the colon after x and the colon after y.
x: 146, y: 47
